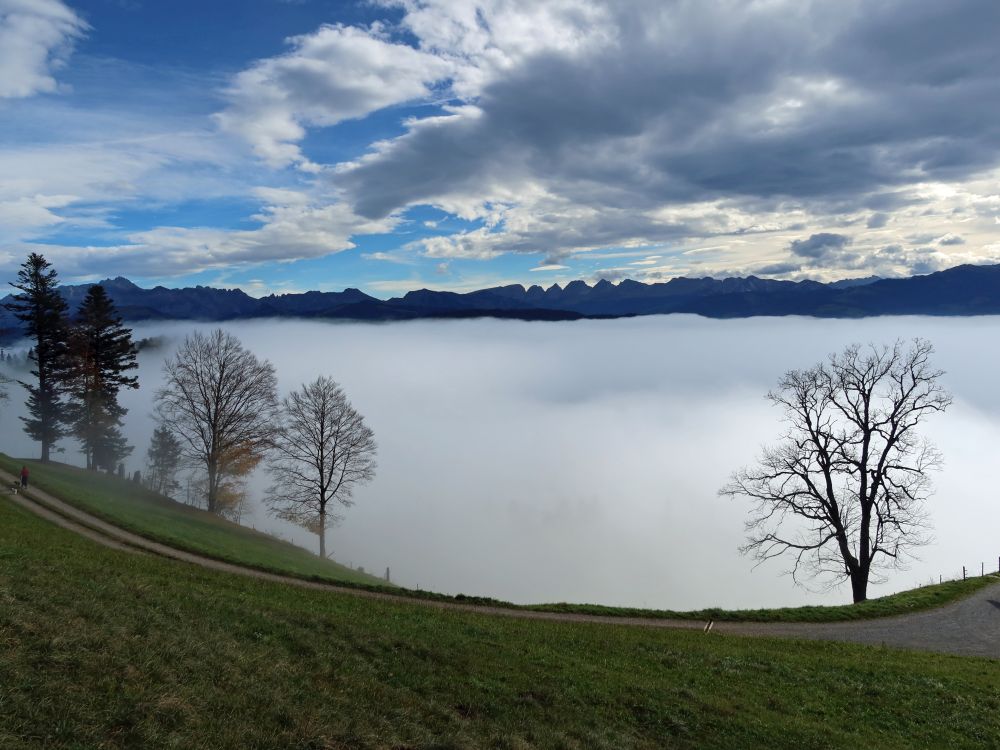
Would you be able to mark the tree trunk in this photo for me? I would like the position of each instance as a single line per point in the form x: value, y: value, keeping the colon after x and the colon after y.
x: 322, y: 533
x: 212, y: 488
x: 859, y: 585
x: 45, y: 451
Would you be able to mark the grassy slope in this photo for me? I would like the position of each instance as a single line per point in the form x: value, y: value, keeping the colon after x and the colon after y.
x: 100, y: 648
x: 131, y: 507
x: 134, y: 508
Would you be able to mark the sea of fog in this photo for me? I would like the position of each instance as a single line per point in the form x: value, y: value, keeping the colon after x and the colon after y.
x: 579, y: 461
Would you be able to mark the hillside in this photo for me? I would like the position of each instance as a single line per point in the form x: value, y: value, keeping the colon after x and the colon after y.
x: 111, y: 649
x: 136, y: 509
x: 128, y: 506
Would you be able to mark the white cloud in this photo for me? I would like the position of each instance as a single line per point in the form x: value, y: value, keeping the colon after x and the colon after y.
x: 30, y: 213
x: 81, y: 181
x: 36, y: 37
x: 334, y: 74
x: 295, y: 228
x: 487, y: 38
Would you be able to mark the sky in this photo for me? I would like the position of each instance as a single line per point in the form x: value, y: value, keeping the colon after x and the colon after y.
x: 388, y: 145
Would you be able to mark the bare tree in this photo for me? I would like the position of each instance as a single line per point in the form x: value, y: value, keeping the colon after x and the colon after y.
x: 322, y: 450
x: 219, y: 400
x: 844, y: 493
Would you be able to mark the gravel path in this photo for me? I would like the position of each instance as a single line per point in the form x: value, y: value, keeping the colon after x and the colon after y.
x: 968, y: 627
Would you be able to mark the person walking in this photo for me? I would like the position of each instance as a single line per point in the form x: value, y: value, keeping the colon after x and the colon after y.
x: 24, y: 477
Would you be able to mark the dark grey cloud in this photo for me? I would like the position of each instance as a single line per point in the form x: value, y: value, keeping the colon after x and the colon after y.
x: 947, y: 240
x: 778, y: 269
x: 687, y: 106
x: 819, y: 246
x: 877, y: 220
x: 614, y: 275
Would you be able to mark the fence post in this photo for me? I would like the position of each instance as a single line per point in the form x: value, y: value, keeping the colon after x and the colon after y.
x: 963, y: 572
x: 982, y: 569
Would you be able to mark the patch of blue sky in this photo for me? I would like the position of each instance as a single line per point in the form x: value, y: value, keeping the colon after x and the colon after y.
x: 210, y: 33
x: 174, y: 91
x: 121, y: 221
x: 234, y: 213
x: 331, y: 273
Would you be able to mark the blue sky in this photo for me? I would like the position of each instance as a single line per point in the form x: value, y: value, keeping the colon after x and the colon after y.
x: 282, y: 145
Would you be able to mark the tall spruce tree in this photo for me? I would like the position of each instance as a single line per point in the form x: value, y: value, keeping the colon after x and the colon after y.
x: 43, y: 311
x: 103, y: 355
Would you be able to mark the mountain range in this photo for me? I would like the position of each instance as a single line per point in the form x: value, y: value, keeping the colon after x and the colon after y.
x: 962, y: 290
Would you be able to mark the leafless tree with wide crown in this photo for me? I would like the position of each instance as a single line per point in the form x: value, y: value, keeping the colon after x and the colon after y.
x: 219, y: 400
x: 322, y: 450
x: 844, y: 493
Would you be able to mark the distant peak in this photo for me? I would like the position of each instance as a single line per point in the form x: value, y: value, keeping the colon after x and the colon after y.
x: 119, y: 282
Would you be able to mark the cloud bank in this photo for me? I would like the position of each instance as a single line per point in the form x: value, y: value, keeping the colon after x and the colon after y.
x: 585, y: 124
x: 610, y: 494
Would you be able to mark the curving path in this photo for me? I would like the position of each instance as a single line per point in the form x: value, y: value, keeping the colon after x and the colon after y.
x: 969, y: 627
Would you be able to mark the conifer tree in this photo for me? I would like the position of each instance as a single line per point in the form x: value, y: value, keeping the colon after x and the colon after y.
x: 163, y: 459
x: 43, y: 311
x: 103, y: 355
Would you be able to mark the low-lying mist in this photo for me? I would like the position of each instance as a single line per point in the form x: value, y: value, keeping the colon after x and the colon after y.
x: 580, y: 461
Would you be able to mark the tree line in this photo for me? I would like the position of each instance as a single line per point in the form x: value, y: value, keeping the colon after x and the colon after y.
x: 218, y: 411
x: 79, y: 364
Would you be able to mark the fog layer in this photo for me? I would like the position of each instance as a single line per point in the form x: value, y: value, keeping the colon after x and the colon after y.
x: 580, y: 461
